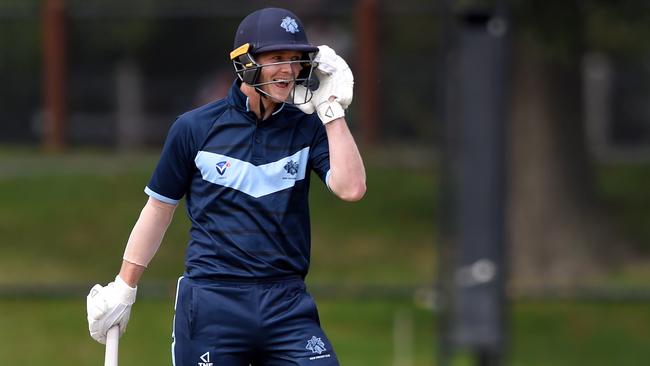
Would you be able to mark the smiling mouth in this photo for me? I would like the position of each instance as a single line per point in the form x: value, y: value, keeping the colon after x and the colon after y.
x: 281, y: 83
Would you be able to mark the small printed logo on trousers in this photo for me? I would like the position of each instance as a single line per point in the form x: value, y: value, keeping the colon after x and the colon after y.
x: 205, y: 359
x: 315, y: 345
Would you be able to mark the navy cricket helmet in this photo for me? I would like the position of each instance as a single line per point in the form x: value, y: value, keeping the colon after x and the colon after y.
x: 273, y: 29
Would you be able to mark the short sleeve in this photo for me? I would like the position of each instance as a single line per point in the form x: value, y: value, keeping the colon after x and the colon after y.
x: 171, y: 178
x: 319, y: 153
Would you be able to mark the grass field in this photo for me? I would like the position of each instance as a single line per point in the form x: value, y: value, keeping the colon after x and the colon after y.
x: 53, y: 332
x: 64, y: 220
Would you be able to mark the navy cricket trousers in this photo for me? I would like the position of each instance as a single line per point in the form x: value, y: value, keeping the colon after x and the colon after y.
x: 242, y: 323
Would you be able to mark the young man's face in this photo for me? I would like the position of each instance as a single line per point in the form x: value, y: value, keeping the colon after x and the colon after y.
x: 284, y: 73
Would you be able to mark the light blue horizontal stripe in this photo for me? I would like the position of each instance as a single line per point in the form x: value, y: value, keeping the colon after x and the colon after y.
x: 159, y: 197
x: 254, y: 180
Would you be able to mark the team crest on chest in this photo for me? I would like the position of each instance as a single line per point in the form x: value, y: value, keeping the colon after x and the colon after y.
x: 291, y: 167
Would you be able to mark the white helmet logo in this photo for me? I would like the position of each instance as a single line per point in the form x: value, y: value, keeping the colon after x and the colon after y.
x: 289, y: 24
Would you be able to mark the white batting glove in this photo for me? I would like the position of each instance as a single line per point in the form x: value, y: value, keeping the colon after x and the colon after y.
x: 335, y: 90
x: 107, y: 306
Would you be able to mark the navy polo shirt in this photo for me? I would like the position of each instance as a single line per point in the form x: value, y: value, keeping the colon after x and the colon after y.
x: 246, y: 185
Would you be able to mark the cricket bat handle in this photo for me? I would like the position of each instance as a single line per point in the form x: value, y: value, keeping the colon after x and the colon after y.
x: 112, y: 345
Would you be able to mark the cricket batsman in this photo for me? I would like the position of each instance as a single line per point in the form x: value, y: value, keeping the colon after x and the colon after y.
x: 243, y: 165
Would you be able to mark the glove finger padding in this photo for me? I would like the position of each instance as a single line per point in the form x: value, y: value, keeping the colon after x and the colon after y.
x: 334, y: 72
x: 334, y: 93
x: 328, y: 61
x: 344, y: 87
x: 108, y: 306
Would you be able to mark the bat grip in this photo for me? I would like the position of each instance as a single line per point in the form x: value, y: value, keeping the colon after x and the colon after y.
x: 112, y: 344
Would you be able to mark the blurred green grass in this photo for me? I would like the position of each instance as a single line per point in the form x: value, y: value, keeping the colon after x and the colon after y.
x: 548, y: 333
x: 65, y: 219
x: 54, y: 332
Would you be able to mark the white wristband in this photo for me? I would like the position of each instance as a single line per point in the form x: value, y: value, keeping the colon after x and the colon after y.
x: 329, y: 111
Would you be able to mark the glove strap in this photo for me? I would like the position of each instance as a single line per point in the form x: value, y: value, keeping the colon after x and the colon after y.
x: 329, y: 111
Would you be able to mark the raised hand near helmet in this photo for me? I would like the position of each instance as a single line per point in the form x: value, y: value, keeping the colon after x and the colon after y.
x: 335, y: 90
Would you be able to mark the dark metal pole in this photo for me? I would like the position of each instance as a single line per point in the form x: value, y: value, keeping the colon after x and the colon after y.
x: 476, y: 79
x: 54, y: 73
x: 446, y: 217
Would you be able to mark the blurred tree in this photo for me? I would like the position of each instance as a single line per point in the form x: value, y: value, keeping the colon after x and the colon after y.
x: 558, y: 231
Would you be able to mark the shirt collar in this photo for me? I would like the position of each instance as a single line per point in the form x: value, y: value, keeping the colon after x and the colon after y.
x: 236, y: 97
x: 241, y: 101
